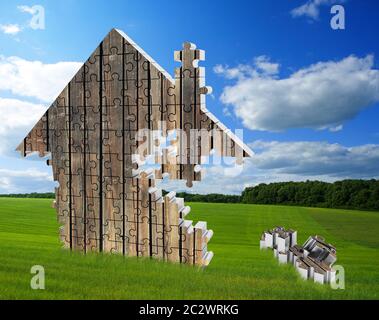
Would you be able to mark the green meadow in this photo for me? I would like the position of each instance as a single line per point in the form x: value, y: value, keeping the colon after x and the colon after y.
x: 239, y: 270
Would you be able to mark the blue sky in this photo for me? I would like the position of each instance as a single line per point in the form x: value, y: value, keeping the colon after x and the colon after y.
x: 306, y: 95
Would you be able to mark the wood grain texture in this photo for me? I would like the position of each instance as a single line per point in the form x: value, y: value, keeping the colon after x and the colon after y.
x: 105, y: 201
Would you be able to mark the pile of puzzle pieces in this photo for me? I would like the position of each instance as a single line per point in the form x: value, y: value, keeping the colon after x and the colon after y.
x: 313, y: 260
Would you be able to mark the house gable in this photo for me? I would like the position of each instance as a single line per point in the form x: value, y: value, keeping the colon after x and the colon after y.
x: 163, y: 98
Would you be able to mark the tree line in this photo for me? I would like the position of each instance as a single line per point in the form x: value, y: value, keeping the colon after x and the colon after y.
x: 189, y: 197
x: 347, y: 194
x: 46, y: 195
x: 211, y: 198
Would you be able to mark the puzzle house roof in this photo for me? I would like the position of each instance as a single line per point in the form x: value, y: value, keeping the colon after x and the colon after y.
x: 38, y: 138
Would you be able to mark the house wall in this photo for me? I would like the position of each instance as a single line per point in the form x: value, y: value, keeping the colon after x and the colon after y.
x: 103, y: 201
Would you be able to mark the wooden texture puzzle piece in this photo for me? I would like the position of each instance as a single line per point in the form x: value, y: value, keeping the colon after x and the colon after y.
x: 114, y: 113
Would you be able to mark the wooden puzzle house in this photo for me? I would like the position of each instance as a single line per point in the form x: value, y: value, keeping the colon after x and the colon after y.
x: 100, y: 129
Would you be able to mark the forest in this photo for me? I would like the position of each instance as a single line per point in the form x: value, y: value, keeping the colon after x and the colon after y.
x: 345, y: 194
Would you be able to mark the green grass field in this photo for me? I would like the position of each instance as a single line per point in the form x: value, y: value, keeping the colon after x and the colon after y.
x: 239, y: 270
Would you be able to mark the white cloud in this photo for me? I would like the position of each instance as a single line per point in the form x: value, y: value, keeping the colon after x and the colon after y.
x: 16, y: 117
x: 11, y: 29
x: 336, y: 129
x: 290, y: 161
x: 239, y: 72
x: 311, y: 8
x: 321, y: 96
x: 35, y: 78
x: 317, y: 158
x: 25, y: 181
x: 28, y: 79
x: 27, y: 9
x: 264, y: 65
x: 29, y: 173
x: 38, y: 16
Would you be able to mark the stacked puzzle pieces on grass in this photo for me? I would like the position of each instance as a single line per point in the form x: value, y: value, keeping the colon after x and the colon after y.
x: 313, y: 260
